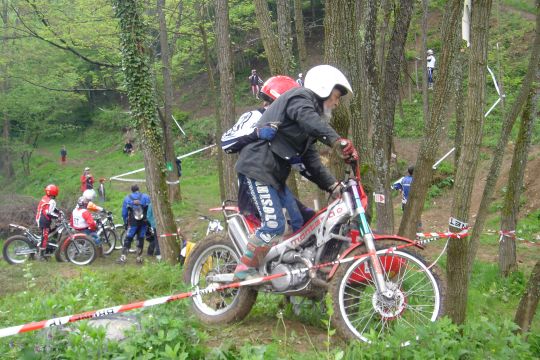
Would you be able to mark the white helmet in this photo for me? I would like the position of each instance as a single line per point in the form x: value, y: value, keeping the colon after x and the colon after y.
x: 323, y: 78
x: 430, y: 52
x: 89, y: 194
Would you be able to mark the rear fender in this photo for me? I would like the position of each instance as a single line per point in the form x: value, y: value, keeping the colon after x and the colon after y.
x: 378, y: 238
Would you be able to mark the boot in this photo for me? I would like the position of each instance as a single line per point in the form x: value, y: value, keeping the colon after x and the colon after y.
x: 139, y: 256
x: 123, y: 258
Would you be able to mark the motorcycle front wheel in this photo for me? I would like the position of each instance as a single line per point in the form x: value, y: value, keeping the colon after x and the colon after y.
x: 216, y: 255
x: 415, y: 297
x: 80, y: 250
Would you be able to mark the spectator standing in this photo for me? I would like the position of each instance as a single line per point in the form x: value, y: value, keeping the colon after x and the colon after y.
x: 300, y: 80
x: 87, y: 180
x: 153, y: 246
x: 46, y: 211
x: 255, y: 81
x: 134, y: 212
x: 63, y: 154
x: 404, y: 186
x: 430, y: 67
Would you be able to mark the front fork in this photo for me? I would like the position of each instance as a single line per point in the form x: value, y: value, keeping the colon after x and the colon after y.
x: 369, y: 239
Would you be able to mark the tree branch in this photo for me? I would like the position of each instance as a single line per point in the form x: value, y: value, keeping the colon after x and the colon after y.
x: 65, y: 47
x: 62, y: 90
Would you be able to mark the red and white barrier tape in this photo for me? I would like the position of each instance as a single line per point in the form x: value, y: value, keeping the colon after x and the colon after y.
x: 167, y: 235
x: 441, y: 235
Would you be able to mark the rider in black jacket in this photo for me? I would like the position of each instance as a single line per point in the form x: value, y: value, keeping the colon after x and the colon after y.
x: 302, y: 117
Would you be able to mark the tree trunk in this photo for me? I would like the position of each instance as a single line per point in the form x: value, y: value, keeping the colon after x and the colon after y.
x: 510, y: 210
x: 138, y: 77
x: 423, y: 63
x: 370, y: 97
x: 529, y: 302
x: 6, y: 160
x: 300, y: 35
x: 340, y: 50
x: 269, y: 38
x: 506, y: 130
x: 460, y: 66
x: 173, y: 180
x: 434, y: 128
x: 384, y: 126
x: 465, y: 176
x: 285, y: 34
x: 226, y: 77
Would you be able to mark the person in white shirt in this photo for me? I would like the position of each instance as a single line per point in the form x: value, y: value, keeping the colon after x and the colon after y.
x: 430, y: 67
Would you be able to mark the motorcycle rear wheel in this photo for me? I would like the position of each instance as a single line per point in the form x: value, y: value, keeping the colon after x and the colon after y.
x: 216, y: 255
x: 361, y: 313
x: 17, y: 249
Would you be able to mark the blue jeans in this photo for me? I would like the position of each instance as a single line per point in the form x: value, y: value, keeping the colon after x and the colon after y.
x: 139, y: 229
x: 430, y: 75
x: 93, y: 235
x: 270, y: 204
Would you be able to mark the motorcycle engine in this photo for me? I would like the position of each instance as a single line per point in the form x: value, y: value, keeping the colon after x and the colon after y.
x: 290, y: 281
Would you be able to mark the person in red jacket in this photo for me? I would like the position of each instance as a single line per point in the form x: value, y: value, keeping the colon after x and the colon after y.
x: 82, y: 221
x: 87, y: 180
x: 46, y: 211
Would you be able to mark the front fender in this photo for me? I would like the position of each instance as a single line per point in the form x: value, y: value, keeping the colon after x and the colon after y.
x: 378, y: 238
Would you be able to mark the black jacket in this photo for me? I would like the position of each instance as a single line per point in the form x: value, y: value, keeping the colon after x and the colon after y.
x: 300, y: 125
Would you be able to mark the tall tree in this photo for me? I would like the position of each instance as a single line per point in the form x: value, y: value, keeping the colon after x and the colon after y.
x: 285, y: 34
x: 226, y: 79
x: 434, y: 128
x: 510, y: 210
x: 506, y: 129
x: 166, y: 118
x: 466, y: 169
x: 384, y: 125
x: 300, y: 35
x: 269, y: 39
x: 6, y: 164
x: 138, y: 77
x: 529, y: 302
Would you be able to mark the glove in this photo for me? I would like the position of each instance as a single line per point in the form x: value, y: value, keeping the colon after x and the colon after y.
x: 346, y: 150
x: 335, y: 190
x: 125, y: 226
x: 267, y: 132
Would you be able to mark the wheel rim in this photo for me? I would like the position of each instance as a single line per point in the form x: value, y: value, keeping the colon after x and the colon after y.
x: 217, y: 259
x: 80, y: 251
x: 19, y: 251
x: 414, y: 300
x: 108, y: 241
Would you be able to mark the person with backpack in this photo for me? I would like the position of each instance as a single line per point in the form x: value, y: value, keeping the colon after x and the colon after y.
x: 46, y: 211
x: 302, y: 116
x: 134, y: 210
x: 245, y: 131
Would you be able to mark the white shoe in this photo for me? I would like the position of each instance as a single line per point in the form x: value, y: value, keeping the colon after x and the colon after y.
x: 158, y: 257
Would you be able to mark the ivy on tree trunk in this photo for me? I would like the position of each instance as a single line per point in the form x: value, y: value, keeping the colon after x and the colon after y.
x: 138, y: 78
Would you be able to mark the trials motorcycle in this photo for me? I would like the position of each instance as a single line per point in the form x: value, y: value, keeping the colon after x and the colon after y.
x: 377, y: 283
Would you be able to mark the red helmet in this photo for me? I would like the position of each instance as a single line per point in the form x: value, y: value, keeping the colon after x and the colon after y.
x: 276, y: 86
x: 51, y: 190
